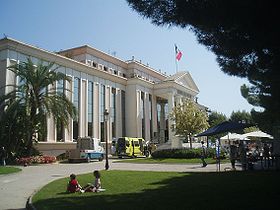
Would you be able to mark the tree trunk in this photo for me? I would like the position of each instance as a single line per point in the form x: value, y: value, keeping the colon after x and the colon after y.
x: 190, y: 142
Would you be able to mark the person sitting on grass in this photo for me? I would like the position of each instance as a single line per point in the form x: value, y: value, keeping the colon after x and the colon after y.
x: 96, y: 185
x: 73, y: 185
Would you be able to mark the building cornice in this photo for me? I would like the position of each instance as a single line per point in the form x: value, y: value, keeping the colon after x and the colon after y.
x: 39, y: 53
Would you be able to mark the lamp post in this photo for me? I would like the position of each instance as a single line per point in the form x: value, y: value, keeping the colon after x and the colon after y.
x: 106, y: 118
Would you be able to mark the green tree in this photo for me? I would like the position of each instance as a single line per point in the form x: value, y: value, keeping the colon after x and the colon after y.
x: 242, y: 34
x: 251, y: 129
x: 27, y: 106
x: 189, y: 119
x: 241, y: 116
x: 216, y: 118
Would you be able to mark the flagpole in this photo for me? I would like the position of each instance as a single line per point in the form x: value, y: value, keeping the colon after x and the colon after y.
x: 176, y: 62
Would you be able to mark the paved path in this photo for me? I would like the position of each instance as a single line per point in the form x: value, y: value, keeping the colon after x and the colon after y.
x: 16, y: 188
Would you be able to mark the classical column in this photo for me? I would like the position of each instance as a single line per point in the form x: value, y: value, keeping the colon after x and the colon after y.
x: 51, y: 131
x: 83, y: 109
x: 175, y: 142
x: 154, y: 117
x: 51, y: 126
x: 162, y: 122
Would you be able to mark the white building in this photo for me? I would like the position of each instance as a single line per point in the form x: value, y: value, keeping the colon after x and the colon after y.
x: 138, y: 97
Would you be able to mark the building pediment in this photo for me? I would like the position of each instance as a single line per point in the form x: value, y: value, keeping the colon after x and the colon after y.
x: 184, y: 79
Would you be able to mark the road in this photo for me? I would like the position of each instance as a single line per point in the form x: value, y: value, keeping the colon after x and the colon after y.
x: 16, y: 188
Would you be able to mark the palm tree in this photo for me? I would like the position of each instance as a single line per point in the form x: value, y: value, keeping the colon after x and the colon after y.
x: 32, y: 101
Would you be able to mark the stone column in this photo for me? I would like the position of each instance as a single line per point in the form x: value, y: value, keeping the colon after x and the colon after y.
x: 162, y: 122
x: 175, y: 142
x: 51, y: 126
x: 83, y: 108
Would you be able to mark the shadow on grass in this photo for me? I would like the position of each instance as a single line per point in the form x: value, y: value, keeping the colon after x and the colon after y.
x: 231, y: 190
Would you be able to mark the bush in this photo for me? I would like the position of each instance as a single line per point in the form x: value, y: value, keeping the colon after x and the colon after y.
x: 184, y: 153
x: 36, y: 160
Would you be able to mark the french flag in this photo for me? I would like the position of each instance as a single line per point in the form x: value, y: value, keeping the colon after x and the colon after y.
x: 178, y: 53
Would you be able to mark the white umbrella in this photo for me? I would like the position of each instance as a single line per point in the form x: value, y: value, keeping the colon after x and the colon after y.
x: 258, y: 134
x: 234, y: 136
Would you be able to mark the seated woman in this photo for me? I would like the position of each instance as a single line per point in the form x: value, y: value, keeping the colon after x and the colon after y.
x: 96, y: 185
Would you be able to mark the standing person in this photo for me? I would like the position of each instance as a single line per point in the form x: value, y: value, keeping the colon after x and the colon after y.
x: 113, y: 148
x: 233, y: 155
x: 243, y: 158
x: 266, y: 155
x: 3, y: 156
x: 203, y: 154
x: 73, y: 185
x: 96, y: 185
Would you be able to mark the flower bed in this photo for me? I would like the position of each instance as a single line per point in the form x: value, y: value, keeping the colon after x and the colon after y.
x: 36, y: 160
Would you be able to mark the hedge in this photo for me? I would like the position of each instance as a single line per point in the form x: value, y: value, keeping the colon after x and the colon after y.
x: 185, y: 153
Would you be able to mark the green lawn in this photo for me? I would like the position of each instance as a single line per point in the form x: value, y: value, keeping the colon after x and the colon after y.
x: 167, y: 190
x: 170, y: 160
x: 8, y: 170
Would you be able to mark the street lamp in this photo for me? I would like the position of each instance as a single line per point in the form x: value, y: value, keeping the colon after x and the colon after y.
x: 106, y: 118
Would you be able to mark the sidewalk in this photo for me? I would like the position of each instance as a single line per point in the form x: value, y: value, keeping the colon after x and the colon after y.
x: 16, y: 188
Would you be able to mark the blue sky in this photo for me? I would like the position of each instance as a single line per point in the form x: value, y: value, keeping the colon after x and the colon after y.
x: 113, y: 27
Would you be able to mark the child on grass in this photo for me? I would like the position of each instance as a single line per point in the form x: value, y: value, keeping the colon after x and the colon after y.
x: 73, y: 185
x: 96, y: 185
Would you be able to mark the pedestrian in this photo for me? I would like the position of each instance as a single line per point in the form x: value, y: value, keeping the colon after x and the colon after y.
x: 233, y: 155
x: 266, y: 155
x: 113, y: 148
x: 3, y: 156
x: 203, y: 154
x: 243, y: 158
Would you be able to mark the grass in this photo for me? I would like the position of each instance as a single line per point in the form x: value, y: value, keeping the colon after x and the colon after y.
x: 171, y: 160
x: 167, y: 190
x: 8, y: 170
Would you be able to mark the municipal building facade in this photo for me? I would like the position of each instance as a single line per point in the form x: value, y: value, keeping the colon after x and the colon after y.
x: 137, y: 97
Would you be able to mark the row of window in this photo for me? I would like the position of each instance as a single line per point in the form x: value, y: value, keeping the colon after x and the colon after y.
x: 90, y: 110
x: 104, y: 68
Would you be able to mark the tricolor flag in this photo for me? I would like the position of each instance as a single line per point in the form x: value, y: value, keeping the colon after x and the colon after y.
x: 178, y: 53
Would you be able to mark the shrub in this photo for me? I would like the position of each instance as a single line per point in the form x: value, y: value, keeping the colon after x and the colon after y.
x: 36, y: 160
x: 184, y: 153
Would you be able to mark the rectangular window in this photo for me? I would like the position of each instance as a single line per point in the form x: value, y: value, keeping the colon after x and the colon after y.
x: 123, y: 112
x: 101, y: 110
x: 90, y: 108
x: 113, y: 112
x: 76, y: 102
x: 143, y: 114
x: 151, y: 117
x: 59, y: 126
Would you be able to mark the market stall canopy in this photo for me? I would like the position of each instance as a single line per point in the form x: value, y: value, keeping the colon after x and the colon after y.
x: 234, y: 136
x: 226, y: 126
x: 259, y: 134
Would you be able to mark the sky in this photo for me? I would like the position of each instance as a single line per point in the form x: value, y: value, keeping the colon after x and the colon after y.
x: 113, y: 27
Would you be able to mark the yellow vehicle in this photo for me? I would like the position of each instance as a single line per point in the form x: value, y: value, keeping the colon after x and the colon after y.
x: 130, y: 147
